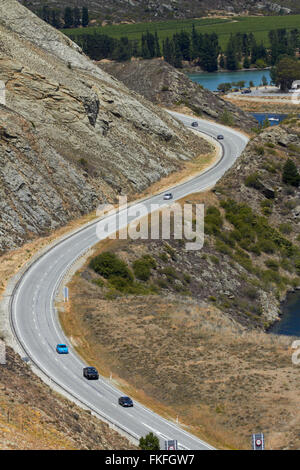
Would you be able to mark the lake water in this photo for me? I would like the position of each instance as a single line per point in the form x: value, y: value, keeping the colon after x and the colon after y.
x: 212, y: 80
x: 274, y: 118
x: 290, y: 322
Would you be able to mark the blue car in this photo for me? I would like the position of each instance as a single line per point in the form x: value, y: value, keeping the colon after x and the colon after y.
x: 62, y: 349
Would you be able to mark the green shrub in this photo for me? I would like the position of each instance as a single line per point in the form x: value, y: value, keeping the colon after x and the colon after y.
x: 222, y: 247
x: 259, y: 149
x: 83, y: 162
x: 236, y: 235
x: 162, y: 283
x: 163, y: 256
x: 107, y: 264
x: 171, y: 273
x: 98, y: 282
x: 290, y: 174
x: 297, y: 265
x: 285, y: 228
x: 255, y: 249
x: 267, y: 246
x: 250, y: 292
x: 227, y: 238
x: 187, y: 278
x: 112, y: 294
x: 119, y: 283
x: 242, y: 258
x: 294, y: 148
x: 286, y: 265
x: 267, y: 206
x: 214, y: 259
x: 252, y: 181
x: 149, y: 442
x: 270, y: 276
x: 272, y: 264
x: 227, y: 118
x: 126, y: 286
x: 142, y: 267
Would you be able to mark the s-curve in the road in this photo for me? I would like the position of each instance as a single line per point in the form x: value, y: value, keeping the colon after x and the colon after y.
x: 36, y: 326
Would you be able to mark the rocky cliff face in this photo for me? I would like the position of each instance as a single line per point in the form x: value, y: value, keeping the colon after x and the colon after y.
x: 161, y: 83
x: 71, y: 135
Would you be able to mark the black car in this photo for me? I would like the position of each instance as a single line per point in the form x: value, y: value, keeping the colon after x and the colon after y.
x: 90, y: 373
x: 125, y: 401
x: 220, y: 137
x: 194, y: 124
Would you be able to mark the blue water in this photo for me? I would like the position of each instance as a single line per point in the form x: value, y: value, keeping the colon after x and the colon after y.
x: 261, y: 117
x: 289, y: 324
x: 212, y: 80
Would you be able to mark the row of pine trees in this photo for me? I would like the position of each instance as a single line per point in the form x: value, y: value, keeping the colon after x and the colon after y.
x: 67, y: 18
x: 242, y: 49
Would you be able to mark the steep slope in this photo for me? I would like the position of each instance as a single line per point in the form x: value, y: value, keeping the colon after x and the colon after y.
x: 213, y: 366
x: 34, y: 417
x: 71, y: 136
x: 163, y: 84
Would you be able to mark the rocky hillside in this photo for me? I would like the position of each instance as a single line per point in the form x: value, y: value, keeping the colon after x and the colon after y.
x: 71, y: 136
x: 251, y: 255
x: 209, y: 308
x: 149, y: 10
x: 163, y: 84
x: 34, y: 417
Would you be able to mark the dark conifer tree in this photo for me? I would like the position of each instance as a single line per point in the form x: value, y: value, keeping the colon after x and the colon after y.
x: 85, y: 17
x: 157, y: 45
x: 77, y: 17
x: 68, y: 17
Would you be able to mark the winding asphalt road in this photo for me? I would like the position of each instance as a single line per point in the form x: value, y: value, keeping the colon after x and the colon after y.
x: 36, y: 326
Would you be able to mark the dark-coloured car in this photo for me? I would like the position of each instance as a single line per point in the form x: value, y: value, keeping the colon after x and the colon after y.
x: 194, y: 124
x: 90, y: 373
x: 220, y: 137
x: 125, y: 401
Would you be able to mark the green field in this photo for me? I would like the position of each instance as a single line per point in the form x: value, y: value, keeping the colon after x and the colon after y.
x: 258, y: 25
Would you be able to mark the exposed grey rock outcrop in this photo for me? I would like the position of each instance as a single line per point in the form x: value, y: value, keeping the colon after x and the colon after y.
x: 163, y: 84
x: 71, y: 135
x: 149, y: 10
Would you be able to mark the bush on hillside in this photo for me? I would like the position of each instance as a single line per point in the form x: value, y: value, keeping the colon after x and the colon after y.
x: 108, y: 264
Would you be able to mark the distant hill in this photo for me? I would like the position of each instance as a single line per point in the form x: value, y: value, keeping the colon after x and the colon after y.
x: 149, y: 10
x: 162, y: 84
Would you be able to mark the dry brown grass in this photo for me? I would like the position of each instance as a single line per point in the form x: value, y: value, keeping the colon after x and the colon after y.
x: 34, y: 417
x: 186, y: 358
x: 252, y: 106
x: 194, y: 361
